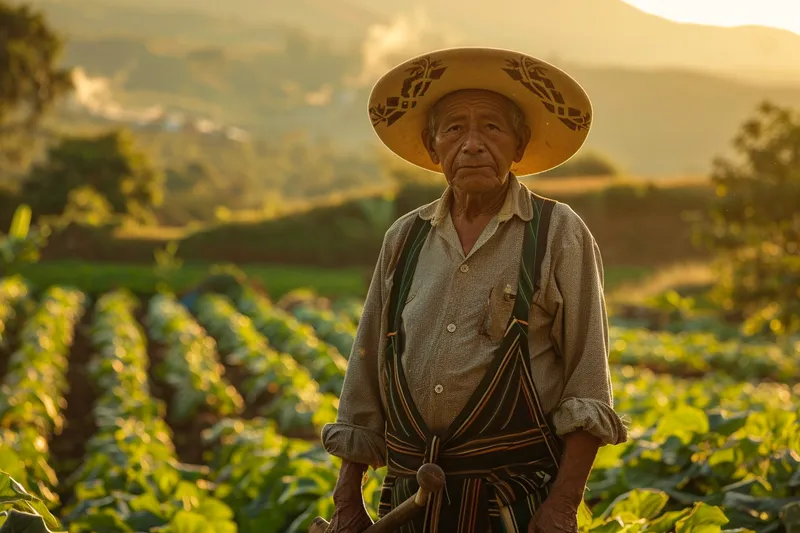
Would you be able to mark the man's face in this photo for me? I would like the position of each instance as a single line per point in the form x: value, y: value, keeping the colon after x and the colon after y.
x: 475, y: 140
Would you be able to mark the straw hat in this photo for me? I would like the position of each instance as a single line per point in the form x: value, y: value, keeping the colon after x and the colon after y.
x: 556, y: 107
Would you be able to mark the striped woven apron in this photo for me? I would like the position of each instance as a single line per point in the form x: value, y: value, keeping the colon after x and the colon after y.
x: 500, y: 454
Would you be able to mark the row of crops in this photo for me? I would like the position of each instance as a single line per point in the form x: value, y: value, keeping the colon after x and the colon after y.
x: 257, y: 379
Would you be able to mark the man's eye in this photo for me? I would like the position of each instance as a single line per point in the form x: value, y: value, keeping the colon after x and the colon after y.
x: 493, y: 126
x: 454, y: 127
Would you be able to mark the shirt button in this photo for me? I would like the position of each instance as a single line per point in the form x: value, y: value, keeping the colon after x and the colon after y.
x: 464, y: 268
x: 438, y: 389
x: 451, y: 328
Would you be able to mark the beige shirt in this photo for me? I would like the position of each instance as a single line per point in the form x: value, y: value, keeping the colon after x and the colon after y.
x: 454, y: 319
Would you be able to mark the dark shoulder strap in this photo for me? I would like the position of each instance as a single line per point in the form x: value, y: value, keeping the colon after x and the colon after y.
x: 534, y: 246
x: 545, y: 213
x: 404, y: 270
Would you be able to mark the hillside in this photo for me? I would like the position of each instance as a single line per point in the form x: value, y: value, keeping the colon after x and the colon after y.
x: 609, y: 33
x: 593, y: 32
x: 670, y: 121
x: 654, y: 123
x: 207, y: 21
x: 309, y: 67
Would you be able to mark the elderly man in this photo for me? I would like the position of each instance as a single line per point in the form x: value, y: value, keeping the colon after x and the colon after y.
x: 483, y: 343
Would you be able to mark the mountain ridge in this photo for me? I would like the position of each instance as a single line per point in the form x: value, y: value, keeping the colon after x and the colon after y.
x: 611, y: 32
x: 595, y: 32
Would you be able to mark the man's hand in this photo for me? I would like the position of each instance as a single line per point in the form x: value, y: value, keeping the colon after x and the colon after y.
x: 350, y: 515
x: 349, y: 519
x: 556, y: 515
x: 559, y: 511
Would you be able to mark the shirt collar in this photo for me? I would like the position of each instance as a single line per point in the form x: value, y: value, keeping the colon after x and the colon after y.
x: 517, y: 203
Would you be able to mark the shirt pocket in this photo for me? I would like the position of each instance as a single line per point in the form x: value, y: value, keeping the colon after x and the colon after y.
x: 417, y: 283
x: 499, y: 307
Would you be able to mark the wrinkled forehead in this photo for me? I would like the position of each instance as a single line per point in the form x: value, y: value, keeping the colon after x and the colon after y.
x: 489, y: 102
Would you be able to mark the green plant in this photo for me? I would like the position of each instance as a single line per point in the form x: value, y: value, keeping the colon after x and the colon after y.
x: 754, y: 225
x: 294, y: 398
x: 191, y: 363
x: 23, y: 244
x: 21, y: 511
x: 167, y: 266
x: 676, y: 306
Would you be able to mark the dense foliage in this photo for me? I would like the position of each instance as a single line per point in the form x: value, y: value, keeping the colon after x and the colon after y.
x: 31, y: 80
x: 755, y: 223
x: 103, y: 176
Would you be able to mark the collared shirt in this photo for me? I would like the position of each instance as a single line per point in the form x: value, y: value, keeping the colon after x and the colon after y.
x: 454, y: 319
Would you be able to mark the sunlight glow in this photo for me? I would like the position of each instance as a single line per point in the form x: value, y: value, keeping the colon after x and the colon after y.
x: 783, y: 14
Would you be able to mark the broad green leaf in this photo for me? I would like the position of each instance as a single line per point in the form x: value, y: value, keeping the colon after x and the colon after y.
x: 684, y: 422
x: 666, y: 522
x: 90, y: 490
x: 640, y: 503
x: 19, y: 522
x: 214, y: 510
x: 188, y: 522
x: 702, y: 519
x: 147, y: 502
x: 721, y: 457
x: 12, y: 464
x: 38, y: 507
x: 20, y: 223
x: 612, y: 525
x: 726, y: 425
x: 11, y: 491
x: 585, y: 517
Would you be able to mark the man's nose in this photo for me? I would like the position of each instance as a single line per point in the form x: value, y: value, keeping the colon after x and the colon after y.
x: 473, y: 143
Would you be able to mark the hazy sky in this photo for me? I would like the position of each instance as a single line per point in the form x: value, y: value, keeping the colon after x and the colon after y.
x: 778, y: 13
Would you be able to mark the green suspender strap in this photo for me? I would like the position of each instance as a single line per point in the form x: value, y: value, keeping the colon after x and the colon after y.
x: 500, y: 453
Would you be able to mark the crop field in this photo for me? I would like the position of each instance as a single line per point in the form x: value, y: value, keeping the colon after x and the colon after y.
x: 127, y: 414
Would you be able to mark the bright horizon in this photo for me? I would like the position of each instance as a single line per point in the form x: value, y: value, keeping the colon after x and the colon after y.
x: 784, y: 14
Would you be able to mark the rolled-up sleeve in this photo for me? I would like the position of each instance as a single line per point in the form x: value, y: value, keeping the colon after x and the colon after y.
x: 358, y: 433
x: 581, y: 335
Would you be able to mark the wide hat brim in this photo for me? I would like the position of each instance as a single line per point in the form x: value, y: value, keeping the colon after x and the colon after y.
x: 557, y: 109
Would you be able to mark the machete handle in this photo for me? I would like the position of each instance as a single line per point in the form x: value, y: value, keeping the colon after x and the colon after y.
x: 430, y: 478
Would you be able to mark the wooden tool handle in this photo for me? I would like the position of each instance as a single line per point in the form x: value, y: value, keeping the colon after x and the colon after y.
x: 318, y: 525
x: 430, y: 479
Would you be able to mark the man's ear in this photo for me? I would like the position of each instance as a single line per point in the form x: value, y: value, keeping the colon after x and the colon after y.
x: 427, y: 141
x: 524, y: 139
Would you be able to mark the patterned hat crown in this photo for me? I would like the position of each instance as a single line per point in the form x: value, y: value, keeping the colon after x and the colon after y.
x: 556, y: 107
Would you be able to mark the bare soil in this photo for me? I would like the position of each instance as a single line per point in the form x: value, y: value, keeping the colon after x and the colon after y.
x: 68, y: 448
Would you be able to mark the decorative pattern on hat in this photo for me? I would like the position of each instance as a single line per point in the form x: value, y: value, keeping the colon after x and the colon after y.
x: 532, y: 75
x: 422, y: 73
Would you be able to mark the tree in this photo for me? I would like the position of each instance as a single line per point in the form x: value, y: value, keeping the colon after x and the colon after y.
x: 109, y: 165
x: 754, y: 225
x: 30, y: 82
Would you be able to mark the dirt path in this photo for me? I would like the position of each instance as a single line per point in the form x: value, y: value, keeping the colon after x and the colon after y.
x: 9, y: 344
x: 68, y: 449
